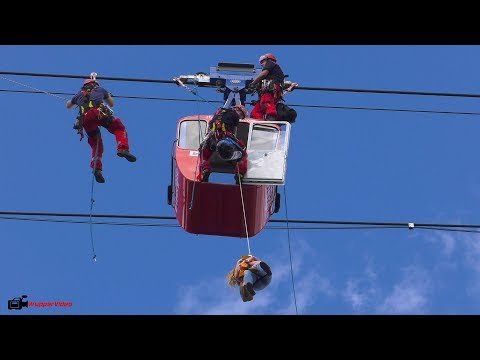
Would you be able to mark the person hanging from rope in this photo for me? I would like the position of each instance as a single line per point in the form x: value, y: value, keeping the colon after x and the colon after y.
x: 269, y: 84
x: 221, y: 137
x: 94, y: 113
x: 251, y: 275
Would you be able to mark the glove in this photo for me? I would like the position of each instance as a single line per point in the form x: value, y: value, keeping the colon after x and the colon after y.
x: 80, y: 132
x: 78, y: 126
x: 291, y: 87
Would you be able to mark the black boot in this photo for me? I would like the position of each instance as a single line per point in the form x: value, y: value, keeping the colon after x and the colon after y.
x: 249, y: 287
x: 266, y: 268
x: 126, y: 154
x: 98, y: 176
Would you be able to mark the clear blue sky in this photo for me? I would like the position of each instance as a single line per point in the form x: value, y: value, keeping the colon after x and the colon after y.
x: 345, y: 165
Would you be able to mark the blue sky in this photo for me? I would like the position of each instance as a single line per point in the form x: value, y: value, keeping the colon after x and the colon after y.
x: 344, y: 165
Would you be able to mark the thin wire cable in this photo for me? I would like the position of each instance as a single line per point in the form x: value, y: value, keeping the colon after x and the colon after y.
x: 289, y: 249
x: 116, y: 96
x: 362, y: 108
x: 336, y: 222
x: 455, y: 230
x: 198, y: 154
x: 390, y: 92
x: 112, y: 216
x: 290, y: 221
x: 92, y: 200
x: 31, y: 87
x: 173, y: 163
x: 267, y: 227
x: 387, y: 109
x: 332, y: 227
x: 194, y: 91
x: 88, y: 222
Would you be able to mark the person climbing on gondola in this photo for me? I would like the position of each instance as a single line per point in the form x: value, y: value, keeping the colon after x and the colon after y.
x: 221, y: 137
x: 269, y: 84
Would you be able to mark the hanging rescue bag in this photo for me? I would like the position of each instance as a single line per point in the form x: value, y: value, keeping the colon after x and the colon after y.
x: 285, y: 113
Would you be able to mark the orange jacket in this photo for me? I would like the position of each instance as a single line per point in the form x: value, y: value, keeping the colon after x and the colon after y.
x: 243, y: 264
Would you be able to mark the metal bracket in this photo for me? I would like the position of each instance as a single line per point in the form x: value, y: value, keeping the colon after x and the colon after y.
x: 228, y: 78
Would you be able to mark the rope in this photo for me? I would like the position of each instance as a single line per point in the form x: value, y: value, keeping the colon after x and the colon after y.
x: 193, y: 91
x: 243, y: 208
x: 180, y: 83
x: 92, y: 200
x: 198, y: 155
x: 289, y: 249
x: 31, y: 87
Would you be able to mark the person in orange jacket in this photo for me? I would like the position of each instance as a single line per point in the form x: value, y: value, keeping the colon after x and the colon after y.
x: 251, y: 275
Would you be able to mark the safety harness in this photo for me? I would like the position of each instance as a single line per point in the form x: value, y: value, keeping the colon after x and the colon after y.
x: 223, y: 124
x: 272, y: 87
x: 222, y: 127
x: 87, y: 105
x: 243, y: 266
x: 247, y: 266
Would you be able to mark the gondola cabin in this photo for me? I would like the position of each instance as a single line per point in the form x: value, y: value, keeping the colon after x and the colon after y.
x: 216, y: 208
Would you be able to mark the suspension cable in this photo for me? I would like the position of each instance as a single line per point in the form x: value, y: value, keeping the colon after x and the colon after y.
x: 308, y: 88
x: 83, y: 77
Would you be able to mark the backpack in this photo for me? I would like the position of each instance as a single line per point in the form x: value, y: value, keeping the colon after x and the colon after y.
x: 285, y: 113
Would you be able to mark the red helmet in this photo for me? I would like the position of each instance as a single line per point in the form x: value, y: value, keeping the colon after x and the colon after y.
x: 242, y: 109
x: 88, y: 81
x: 267, y: 56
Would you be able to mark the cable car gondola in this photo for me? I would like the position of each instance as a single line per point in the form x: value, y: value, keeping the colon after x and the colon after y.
x: 227, y: 209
